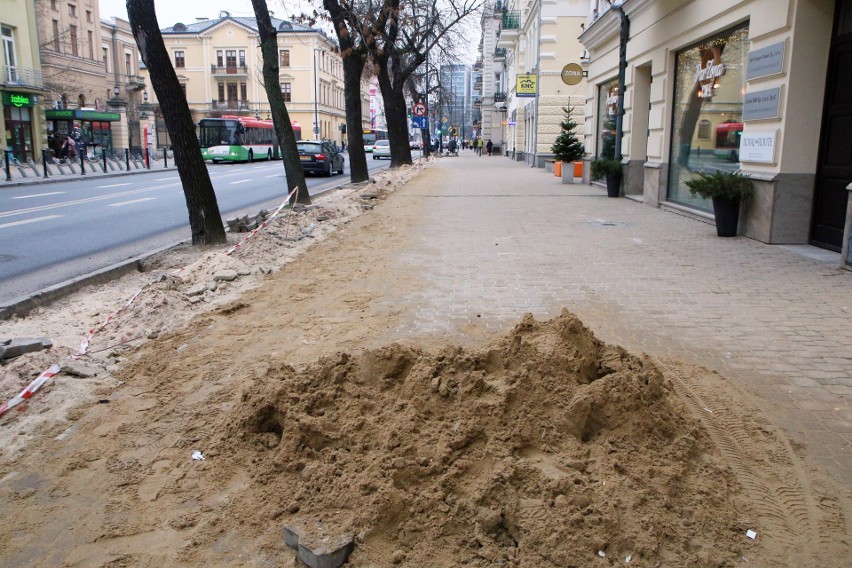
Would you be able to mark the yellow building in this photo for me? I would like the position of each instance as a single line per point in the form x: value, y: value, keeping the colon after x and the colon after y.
x: 21, y: 81
x: 220, y: 67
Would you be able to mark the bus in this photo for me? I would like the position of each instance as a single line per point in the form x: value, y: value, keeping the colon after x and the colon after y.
x: 370, y: 137
x: 728, y: 136
x: 238, y: 138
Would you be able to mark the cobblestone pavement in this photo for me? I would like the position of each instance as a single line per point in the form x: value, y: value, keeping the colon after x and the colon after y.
x: 499, y: 239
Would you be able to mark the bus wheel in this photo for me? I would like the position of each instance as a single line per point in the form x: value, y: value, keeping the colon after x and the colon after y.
x: 269, y: 155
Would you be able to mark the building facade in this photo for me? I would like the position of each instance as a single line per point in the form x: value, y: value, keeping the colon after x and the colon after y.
x: 540, y: 42
x: 220, y: 67
x: 759, y: 86
x: 21, y: 82
x: 455, y: 101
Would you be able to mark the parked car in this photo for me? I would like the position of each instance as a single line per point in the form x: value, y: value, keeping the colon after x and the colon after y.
x: 319, y: 157
x: 416, y: 145
x: 381, y: 149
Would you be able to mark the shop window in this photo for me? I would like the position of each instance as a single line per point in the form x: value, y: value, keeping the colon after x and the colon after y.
x: 287, y: 91
x: 709, y: 83
x: 180, y: 61
x: 607, y: 107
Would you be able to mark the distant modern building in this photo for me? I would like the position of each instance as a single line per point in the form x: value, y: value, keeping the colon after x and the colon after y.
x: 455, y: 100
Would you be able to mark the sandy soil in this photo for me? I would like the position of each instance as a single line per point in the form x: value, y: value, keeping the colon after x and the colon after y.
x: 542, y: 446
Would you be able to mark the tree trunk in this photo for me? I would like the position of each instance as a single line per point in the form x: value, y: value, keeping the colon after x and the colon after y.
x: 205, y: 220
x: 354, y: 57
x: 396, y: 117
x: 280, y: 117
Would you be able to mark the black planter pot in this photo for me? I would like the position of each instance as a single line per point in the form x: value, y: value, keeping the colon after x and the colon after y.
x: 613, y: 185
x: 727, y: 214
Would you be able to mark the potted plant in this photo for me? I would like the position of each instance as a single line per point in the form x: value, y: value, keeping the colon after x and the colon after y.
x: 567, y: 148
x: 611, y: 170
x: 727, y: 190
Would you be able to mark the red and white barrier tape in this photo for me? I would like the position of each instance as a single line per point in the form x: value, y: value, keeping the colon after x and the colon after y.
x: 84, y: 346
x: 262, y: 225
x: 31, y: 389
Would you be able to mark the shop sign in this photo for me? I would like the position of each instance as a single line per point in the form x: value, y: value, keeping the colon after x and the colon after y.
x: 758, y: 147
x: 68, y: 114
x: 762, y: 104
x: 18, y: 99
x: 572, y: 74
x: 706, y: 77
x: 765, y: 61
x: 526, y: 86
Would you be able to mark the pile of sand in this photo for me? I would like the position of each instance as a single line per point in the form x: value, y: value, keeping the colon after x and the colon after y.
x: 545, y: 448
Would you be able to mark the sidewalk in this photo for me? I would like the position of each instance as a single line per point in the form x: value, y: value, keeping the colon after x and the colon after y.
x: 32, y: 174
x: 501, y: 239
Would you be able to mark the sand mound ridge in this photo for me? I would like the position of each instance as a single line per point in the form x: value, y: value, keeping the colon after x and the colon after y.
x: 544, y: 448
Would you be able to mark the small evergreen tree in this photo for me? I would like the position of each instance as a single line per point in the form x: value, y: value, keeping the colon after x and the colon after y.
x: 568, y: 147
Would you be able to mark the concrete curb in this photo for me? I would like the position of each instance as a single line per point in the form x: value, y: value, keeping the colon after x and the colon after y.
x: 22, y: 306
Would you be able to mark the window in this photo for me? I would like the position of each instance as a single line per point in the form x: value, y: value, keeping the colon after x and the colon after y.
x: 72, y: 31
x: 220, y: 62
x: 9, y: 56
x: 284, y: 58
x: 105, y: 51
x: 286, y: 91
x: 53, y: 5
x: 128, y: 63
x: 704, y: 130
x: 89, y: 16
x: 56, y: 35
x: 243, y: 92
x: 232, y: 94
x: 180, y: 62
x: 231, y: 60
x: 183, y: 88
x: 221, y: 92
x: 242, y: 58
x: 72, y: 10
x: 91, y: 44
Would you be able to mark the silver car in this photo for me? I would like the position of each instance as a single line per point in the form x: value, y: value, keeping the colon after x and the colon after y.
x: 381, y: 149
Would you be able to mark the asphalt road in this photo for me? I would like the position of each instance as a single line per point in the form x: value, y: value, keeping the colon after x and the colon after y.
x: 50, y: 233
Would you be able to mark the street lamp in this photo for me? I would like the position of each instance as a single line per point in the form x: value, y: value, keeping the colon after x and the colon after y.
x: 116, y: 91
x: 145, y: 96
x: 316, y: 98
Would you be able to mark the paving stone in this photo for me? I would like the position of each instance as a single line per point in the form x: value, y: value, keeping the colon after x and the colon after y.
x: 18, y: 346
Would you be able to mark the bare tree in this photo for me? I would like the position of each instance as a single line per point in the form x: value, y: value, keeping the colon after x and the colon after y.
x: 280, y: 116
x: 205, y: 220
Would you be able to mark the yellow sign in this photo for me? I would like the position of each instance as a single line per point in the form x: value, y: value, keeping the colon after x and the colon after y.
x: 526, y: 86
x: 572, y: 74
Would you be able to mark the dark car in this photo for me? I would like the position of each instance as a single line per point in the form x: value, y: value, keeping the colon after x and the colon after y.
x: 319, y: 157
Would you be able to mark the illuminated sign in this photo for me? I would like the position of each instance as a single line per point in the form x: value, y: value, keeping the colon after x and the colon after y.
x: 18, y: 100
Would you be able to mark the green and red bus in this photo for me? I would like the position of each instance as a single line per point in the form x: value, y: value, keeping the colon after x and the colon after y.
x: 239, y: 138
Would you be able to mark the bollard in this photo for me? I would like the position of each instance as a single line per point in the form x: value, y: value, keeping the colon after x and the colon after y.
x: 165, y: 156
x: 44, y: 162
x: 82, y: 165
x: 8, y: 167
x: 104, y: 154
x: 148, y: 158
x: 127, y: 158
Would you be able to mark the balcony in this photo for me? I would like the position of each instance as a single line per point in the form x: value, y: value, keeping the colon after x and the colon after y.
x: 230, y: 104
x: 510, y: 31
x: 499, y: 97
x: 135, y: 82
x: 229, y: 71
x: 500, y: 54
x: 21, y: 77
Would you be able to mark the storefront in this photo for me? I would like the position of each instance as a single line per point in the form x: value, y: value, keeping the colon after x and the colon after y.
x: 18, y: 118
x: 719, y: 87
x: 90, y: 128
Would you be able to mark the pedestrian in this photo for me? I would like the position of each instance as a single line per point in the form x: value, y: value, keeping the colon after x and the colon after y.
x: 69, y: 148
x: 479, y: 146
x: 489, y: 146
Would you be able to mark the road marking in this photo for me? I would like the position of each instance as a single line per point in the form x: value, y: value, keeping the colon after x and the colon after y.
x: 112, y: 185
x: 123, y: 203
x: 28, y: 221
x: 240, y: 181
x: 38, y: 195
x: 164, y: 179
x: 274, y: 176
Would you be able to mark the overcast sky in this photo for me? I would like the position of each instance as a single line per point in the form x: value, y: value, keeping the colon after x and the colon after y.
x: 170, y: 12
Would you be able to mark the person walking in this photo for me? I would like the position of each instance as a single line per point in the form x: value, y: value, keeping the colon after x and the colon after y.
x: 489, y: 146
x: 479, y: 146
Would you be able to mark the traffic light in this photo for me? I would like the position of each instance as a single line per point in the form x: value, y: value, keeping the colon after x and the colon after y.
x: 438, y: 131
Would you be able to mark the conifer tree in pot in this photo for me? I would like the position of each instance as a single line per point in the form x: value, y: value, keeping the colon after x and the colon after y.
x: 611, y: 170
x: 568, y: 148
x: 727, y: 190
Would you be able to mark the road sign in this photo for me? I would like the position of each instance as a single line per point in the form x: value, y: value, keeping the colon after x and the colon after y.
x: 421, y: 122
x: 419, y: 109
